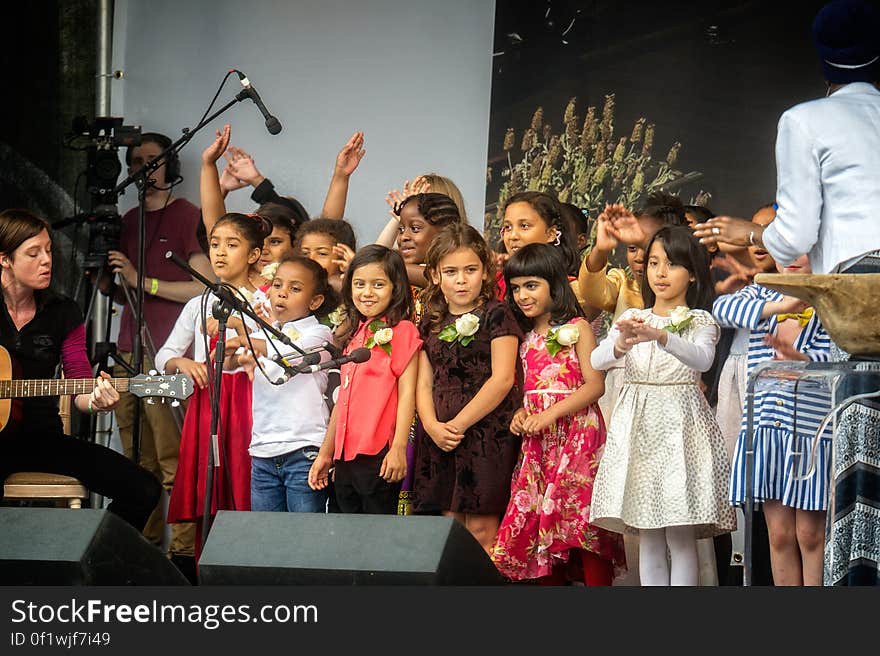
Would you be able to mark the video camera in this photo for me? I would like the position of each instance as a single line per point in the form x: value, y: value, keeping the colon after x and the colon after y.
x: 105, y: 136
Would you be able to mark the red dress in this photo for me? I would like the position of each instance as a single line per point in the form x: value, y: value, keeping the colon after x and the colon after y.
x: 552, y: 485
x: 232, y: 473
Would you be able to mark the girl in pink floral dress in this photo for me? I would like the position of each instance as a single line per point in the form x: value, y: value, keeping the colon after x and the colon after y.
x: 545, y: 533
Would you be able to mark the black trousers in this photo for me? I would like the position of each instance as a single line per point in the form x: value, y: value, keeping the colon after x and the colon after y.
x: 359, y: 488
x: 134, y: 490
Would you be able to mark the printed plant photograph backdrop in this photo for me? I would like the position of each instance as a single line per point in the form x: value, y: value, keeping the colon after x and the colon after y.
x: 602, y: 102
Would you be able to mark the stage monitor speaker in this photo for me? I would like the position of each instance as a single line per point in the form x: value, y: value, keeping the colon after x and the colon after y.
x: 279, y: 548
x: 59, y: 546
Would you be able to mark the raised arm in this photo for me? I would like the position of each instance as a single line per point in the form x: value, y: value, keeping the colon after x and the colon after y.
x: 213, y: 206
x: 747, y: 308
x: 346, y: 163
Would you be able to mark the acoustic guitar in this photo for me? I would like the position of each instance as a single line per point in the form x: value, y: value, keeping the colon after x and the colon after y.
x: 174, y: 386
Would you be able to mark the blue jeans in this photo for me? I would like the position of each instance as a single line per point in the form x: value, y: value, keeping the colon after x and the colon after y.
x: 282, y: 483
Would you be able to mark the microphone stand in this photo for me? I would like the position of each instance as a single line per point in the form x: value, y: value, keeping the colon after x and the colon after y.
x: 228, y: 302
x: 141, y: 179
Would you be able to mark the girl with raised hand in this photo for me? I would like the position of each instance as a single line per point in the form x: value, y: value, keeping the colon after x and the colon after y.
x: 235, y: 246
x: 545, y: 533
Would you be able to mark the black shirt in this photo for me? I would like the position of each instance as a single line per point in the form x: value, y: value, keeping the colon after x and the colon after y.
x: 36, y: 352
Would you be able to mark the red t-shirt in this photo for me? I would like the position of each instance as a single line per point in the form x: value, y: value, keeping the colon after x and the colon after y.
x: 367, y: 403
x: 170, y: 229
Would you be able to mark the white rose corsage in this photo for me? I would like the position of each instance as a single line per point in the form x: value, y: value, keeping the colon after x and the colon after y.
x: 337, y: 316
x: 562, y: 336
x: 246, y: 294
x: 268, y: 271
x: 680, y: 318
x: 292, y: 333
x: 381, y: 337
x: 462, y: 331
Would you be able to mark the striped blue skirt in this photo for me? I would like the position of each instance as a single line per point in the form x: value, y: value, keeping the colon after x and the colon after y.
x: 781, y: 463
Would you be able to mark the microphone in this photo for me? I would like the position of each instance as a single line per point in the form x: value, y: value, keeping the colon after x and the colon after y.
x: 309, y: 359
x: 272, y: 123
x: 332, y: 349
x: 358, y: 355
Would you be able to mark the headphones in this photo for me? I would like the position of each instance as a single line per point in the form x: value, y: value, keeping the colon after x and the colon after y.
x: 172, y: 162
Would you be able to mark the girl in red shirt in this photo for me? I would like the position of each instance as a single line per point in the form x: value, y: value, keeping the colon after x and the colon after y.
x: 368, y: 430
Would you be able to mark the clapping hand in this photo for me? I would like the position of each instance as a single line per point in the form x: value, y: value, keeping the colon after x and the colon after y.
x: 419, y: 186
x: 228, y: 181
x: 217, y: 147
x: 645, y: 332
x: 626, y: 327
x: 635, y: 331
x: 342, y: 257
x: 605, y: 240
x: 243, y: 167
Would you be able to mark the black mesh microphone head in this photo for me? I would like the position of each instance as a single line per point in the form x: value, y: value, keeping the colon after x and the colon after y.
x: 273, y: 125
x: 360, y: 355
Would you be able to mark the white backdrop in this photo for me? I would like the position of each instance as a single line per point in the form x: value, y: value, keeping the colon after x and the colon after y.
x: 414, y: 75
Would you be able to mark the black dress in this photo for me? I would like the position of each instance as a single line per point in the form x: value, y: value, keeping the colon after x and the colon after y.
x: 474, y: 477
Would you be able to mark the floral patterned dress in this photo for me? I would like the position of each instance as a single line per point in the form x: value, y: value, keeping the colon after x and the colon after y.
x: 552, y: 487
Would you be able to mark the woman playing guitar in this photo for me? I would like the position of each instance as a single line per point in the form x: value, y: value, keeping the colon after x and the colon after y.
x: 40, y: 329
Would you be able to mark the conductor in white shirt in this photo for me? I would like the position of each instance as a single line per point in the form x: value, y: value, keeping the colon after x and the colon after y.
x: 827, y: 157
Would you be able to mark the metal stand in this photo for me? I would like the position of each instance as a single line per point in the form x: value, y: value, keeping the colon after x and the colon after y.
x: 221, y: 311
x: 141, y: 178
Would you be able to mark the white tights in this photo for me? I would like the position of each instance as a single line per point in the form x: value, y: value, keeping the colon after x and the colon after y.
x: 653, y: 565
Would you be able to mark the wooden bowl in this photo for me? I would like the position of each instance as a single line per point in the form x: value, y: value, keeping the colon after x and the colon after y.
x: 848, y: 304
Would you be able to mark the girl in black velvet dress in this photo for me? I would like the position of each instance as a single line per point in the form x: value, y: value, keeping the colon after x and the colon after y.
x: 467, y: 390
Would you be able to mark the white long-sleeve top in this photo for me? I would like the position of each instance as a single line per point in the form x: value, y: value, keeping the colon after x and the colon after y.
x: 828, y: 180
x: 698, y: 352
x: 294, y: 414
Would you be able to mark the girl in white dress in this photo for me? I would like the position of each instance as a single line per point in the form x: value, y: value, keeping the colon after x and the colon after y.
x: 665, y: 469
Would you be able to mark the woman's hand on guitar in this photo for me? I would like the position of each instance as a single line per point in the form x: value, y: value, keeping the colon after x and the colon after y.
x: 104, y: 397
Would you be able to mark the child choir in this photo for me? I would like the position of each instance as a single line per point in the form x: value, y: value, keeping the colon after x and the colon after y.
x: 485, y: 397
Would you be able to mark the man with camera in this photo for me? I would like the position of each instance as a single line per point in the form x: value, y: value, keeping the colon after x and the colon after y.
x: 170, y: 225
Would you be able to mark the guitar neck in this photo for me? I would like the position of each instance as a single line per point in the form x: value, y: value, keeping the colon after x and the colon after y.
x: 16, y: 389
